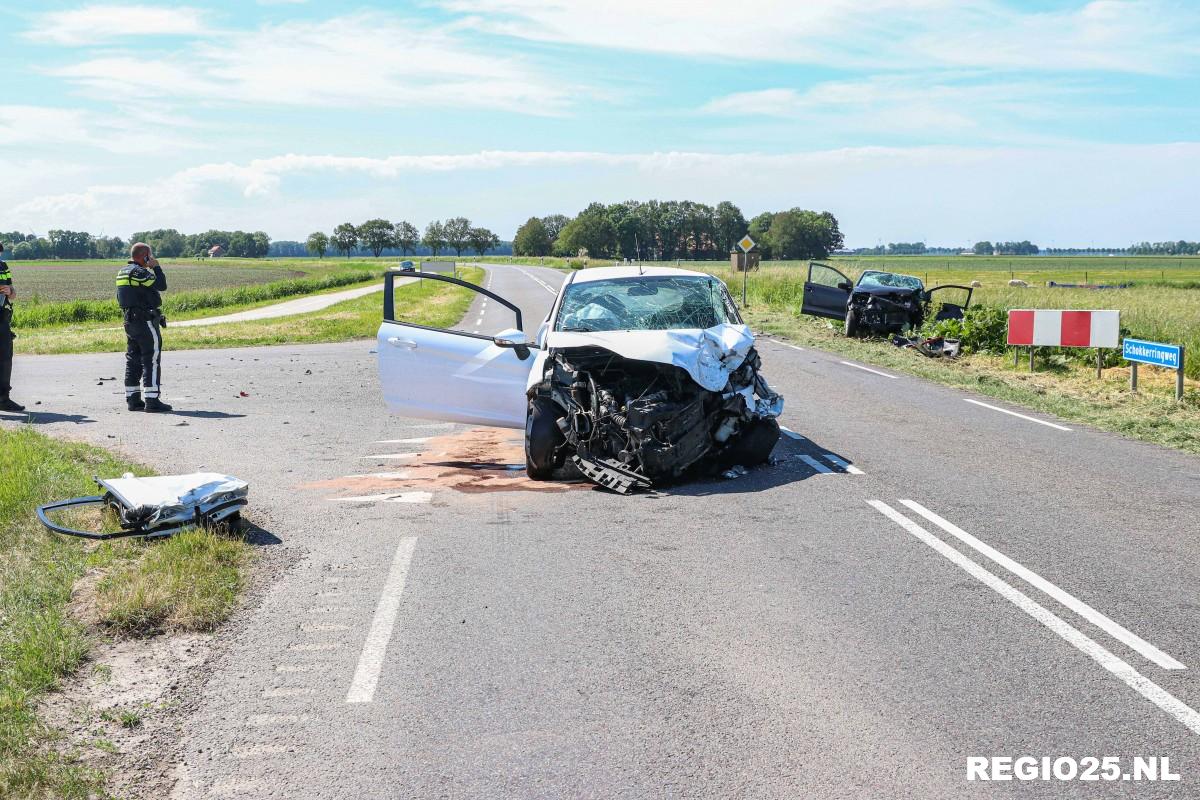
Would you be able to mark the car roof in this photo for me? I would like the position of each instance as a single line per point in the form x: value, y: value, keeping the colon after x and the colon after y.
x: 635, y: 271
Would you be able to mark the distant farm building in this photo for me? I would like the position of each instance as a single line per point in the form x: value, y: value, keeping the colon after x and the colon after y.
x: 216, y: 251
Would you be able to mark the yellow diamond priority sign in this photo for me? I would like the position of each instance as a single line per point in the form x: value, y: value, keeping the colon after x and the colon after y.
x: 747, y: 244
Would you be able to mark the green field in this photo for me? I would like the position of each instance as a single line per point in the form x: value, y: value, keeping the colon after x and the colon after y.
x: 53, y: 281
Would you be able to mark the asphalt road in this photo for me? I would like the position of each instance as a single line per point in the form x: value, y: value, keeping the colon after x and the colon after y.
x: 449, y: 629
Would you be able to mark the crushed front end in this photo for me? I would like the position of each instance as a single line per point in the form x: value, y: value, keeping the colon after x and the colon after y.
x: 627, y: 424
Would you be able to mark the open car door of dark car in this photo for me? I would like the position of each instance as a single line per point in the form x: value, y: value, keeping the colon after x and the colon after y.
x: 949, y: 307
x: 826, y: 292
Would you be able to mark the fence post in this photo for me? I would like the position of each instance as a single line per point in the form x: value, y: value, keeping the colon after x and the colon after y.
x: 1179, y: 376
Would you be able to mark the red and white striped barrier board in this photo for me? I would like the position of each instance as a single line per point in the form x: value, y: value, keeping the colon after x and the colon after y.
x: 1040, y: 328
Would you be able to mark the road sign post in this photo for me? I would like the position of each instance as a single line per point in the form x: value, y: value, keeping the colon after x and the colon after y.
x: 1157, y: 354
x: 746, y: 244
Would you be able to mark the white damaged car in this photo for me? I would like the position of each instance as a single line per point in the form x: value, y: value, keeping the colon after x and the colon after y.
x: 638, y: 376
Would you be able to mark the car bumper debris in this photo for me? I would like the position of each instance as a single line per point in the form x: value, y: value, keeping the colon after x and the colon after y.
x: 158, y: 506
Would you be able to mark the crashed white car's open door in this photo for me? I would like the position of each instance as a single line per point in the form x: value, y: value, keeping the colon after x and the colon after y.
x: 453, y: 376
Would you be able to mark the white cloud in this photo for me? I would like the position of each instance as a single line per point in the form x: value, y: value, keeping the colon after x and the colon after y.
x: 948, y: 195
x: 1124, y: 35
x: 130, y: 131
x: 353, y: 61
x: 925, y: 104
x: 95, y: 24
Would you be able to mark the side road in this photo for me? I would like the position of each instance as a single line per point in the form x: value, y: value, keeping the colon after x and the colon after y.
x: 301, y: 305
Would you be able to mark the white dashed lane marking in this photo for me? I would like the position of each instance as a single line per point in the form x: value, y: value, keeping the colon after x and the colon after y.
x: 370, y: 661
x: 868, y: 369
x: 410, y: 440
x: 837, y: 461
x: 1015, y: 414
x: 393, y: 456
x: 387, y: 497
x: 817, y: 465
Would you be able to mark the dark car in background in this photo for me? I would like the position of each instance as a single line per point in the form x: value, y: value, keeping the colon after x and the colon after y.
x: 879, y: 302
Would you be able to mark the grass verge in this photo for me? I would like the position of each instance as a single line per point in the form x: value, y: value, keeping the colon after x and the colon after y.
x: 1059, y: 387
x: 41, y: 641
x: 424, y: 302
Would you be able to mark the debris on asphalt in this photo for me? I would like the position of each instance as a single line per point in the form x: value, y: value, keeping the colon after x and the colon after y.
x: 734, y: 472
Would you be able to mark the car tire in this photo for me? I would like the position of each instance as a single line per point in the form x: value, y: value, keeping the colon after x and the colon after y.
x: 542, y: 438
x: 851, y: 323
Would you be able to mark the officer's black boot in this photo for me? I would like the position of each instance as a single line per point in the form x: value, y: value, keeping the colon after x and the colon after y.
x: 153, y: 404
x: 8, y: 404
x: 134, y: 401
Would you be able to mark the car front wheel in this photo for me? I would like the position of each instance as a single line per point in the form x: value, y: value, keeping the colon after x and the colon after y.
x: 852, y: 323
x: 542, y: 438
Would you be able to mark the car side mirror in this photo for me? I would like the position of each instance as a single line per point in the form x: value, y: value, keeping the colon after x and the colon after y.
x: 513, y: 340
x: 845, y: 286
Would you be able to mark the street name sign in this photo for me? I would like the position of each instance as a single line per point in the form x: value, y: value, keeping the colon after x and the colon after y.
x: 1155, y: 353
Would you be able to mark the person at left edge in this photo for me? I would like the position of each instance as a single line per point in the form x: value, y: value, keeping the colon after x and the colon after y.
x: 7, y: 293
x: 138, y: 285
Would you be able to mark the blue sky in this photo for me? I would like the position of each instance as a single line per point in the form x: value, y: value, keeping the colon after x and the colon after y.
x: 945, y: 121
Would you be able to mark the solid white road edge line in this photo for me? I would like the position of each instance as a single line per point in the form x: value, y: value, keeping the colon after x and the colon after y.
x: 838, y: 461
x: 413, y: 440
x: 868, y: 369
x: 370, y: 661
x: 791, y: 434
x: 1015, y: 414
x: 1112, y: 628
x: 1130, y: 676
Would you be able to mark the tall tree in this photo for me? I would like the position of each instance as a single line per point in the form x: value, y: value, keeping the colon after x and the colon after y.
x: 435, y: 237
x: 377, y: 235
x: 729, y: 226
x: 407, y: 236
x: 482, y: 240
x: 554, y: 225
x: 317, y: 244
x: 592, y: 231
x: 457, y: 233
x: 345, y: 238
x: 532, y: 239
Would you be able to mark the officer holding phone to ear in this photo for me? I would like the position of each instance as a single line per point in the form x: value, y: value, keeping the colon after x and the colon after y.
x: 7, y: 293
x: 138, y: 285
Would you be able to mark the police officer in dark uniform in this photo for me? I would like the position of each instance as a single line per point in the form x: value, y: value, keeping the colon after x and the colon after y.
x: 7, y: 293
x: 138, y: 285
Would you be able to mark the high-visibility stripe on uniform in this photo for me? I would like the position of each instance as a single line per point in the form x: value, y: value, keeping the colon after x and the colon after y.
x: 124, y: 278
x: 152, y: 390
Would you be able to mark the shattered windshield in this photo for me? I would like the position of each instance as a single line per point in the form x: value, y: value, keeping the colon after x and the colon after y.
x: 645, y: 304
x: 875, y: 278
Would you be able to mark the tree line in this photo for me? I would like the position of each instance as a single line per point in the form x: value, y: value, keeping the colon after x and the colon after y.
x: 656, y: 230
x: 1180, y: 248
x: 380, y: 236
x: 167, y: 243
x: 1024, y: 248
